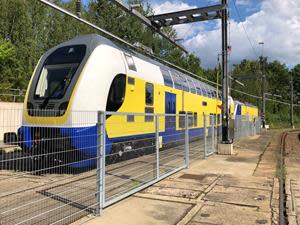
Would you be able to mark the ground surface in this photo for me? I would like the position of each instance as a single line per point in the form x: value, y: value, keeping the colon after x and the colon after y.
x: 227, y: 190
x: 292, y: 169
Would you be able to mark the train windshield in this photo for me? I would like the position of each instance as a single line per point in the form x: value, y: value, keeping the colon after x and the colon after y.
x: 58, y: 70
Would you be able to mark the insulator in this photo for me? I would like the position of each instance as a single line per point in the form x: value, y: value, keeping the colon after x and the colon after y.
x: 78, y: 8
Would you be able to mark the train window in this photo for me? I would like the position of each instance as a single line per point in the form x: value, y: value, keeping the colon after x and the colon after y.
x: 130, y: 62
x: 58, y: 71
x: 131, y: 80
x: 167, y: 78
x: 211, y: 119
x: 215, y: 93
x: 192, y: 85
x: 203, y: 89
x: 198, y: 87
x: 147, y: 117
x: 195, y: 119
x: 185, y: 85
x: 199, y: 92
x: 130, y: 118
x: 181, y: 119
x: 204, y: 103
x: 149, y: 94
x: 218, y: 118
x: 190, y: 119
x: 116, y: 93
x: 177, y: 80
x: 207, y: 91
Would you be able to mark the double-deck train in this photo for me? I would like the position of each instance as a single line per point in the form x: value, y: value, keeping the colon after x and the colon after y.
x: 78, y: 78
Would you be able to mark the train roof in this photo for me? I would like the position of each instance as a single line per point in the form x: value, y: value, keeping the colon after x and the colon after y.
x: 180, y: 79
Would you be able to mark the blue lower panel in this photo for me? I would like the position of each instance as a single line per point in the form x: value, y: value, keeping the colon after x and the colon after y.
x: 84, y: 140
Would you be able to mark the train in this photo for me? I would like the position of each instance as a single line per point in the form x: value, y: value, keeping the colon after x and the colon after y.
x: 90, y: 73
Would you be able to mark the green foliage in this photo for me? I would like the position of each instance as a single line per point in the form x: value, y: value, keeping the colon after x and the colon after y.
x: 29, y: 29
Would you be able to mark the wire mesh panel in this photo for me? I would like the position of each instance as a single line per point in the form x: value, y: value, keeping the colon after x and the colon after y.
x: 57, y: 166
x: 245, y: 126
x: 140, y: 150
x: 130, y: 153
x: 210, y: 134
x: 173, y: 148
x: 196, y: 138
x: 48, y: 171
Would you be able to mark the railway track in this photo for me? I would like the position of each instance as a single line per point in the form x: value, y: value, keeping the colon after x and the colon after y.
x: 287, y: 145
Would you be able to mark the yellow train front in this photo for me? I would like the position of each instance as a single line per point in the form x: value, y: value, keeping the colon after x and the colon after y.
x: 75, y: 80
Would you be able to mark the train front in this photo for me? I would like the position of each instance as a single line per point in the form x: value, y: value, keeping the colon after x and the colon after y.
x: 49, y: 133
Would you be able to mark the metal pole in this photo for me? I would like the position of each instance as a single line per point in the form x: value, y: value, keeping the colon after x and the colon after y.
x: 204, y: 134
x: 225, y: 108
x: 157, y: 145
x: 213, y: 133
x: 263, y: 89
x: 103, y: 151
x: 292, y: 103
x: 186, y: 144
x: 100, y: 164
x: 264, y: 102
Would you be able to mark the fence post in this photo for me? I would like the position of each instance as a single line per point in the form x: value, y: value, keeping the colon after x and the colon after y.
x: 186, y: 142
x: 157, y: 145
x: 204, y: 134
x: 100, y: 195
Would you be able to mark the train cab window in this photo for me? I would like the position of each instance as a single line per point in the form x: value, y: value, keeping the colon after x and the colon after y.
x: 195, y: 119
x: 149, y: 118
x: 130, y: 62
x: 149, y: 94
x: 116, y: 93
x: 190, y: 119
x: 131, y: 80
x: 181, y: 119
x: 58, y: 71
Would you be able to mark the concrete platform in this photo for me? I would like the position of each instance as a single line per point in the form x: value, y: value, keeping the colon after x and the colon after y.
x: 224, y: 189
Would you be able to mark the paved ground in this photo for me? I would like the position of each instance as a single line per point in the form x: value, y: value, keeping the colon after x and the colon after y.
x: 62, y: 197
x: 292, y: 166
x: 227, y: 190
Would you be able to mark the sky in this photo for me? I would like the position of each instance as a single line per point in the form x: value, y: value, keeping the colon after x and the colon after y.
x: 276, y: 23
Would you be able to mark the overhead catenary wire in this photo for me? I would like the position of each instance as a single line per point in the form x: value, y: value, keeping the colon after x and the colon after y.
x: 259, y: 97
x: 56, y: 7
x: 246, y: 33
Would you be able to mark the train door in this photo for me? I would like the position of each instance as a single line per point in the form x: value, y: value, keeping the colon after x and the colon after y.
x: 170, y: 121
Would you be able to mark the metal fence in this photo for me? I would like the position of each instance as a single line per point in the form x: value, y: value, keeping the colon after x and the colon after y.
x: 54, y: 174
x: 245, y: 126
